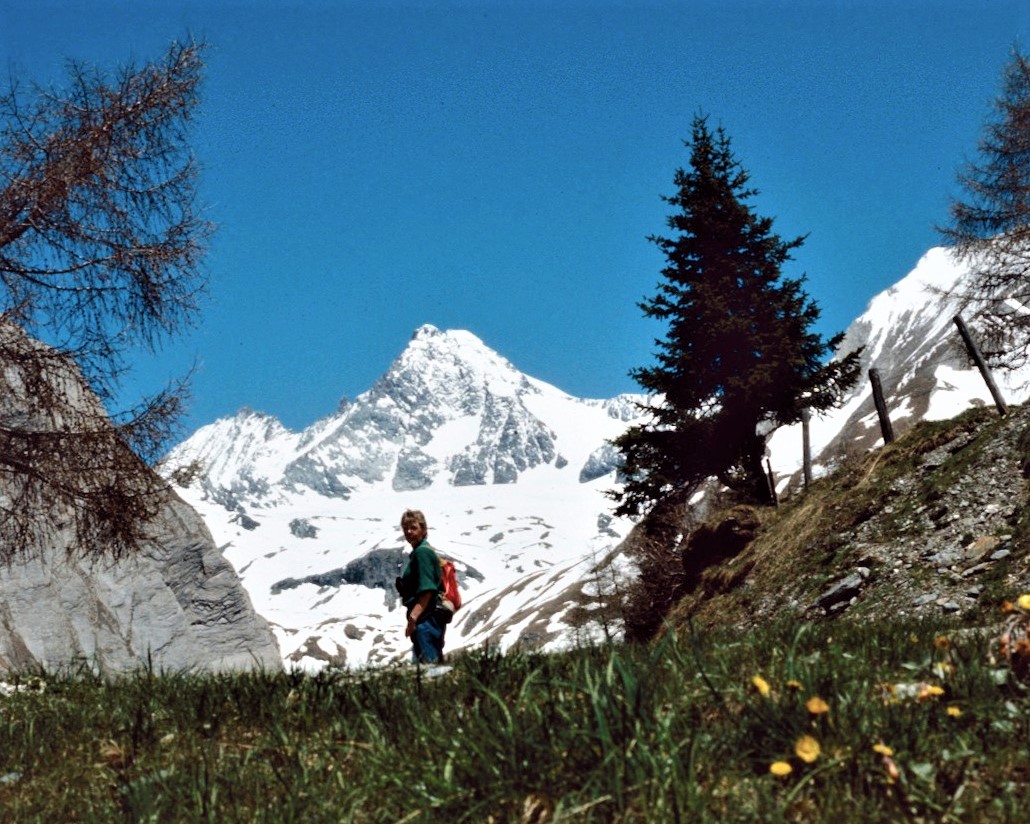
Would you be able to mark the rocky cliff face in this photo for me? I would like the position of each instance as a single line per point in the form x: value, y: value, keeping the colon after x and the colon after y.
x: 177, y: 604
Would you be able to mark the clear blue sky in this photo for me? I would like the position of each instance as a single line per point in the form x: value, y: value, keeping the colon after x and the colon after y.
x: 497, y: 167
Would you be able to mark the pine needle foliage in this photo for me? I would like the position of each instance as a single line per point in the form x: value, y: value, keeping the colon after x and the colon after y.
x: 740, y: 357
x: 991, y: 225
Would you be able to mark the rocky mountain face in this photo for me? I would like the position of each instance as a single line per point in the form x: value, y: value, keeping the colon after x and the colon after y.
x: 511, y: 473
x: 176, y: 605
x: 448, y: 410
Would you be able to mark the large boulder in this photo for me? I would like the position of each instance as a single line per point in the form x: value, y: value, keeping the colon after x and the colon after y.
x: 176, y: 605
x: 173, y: 604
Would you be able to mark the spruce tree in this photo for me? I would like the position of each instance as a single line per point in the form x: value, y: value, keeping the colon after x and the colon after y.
x: 740, y: 357
x: 991, y: 225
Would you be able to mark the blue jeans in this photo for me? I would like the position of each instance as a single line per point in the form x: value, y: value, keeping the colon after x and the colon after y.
x: 427, y: 640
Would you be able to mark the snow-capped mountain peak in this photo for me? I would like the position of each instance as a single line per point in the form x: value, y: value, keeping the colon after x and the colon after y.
x: 446, y: 366
x: 510, y: 471
x: 908, y: 335
x: 448, y: 408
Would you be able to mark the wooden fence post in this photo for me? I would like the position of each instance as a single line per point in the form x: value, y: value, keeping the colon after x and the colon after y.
x: 771, y: 480
x: 881, y: 407
x: 981, y: 364
x: 806, y: 447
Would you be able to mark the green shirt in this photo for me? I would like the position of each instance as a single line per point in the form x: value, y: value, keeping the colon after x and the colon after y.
x: 422, y: 574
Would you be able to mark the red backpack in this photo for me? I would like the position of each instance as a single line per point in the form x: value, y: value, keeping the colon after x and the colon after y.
x: 451, y: 598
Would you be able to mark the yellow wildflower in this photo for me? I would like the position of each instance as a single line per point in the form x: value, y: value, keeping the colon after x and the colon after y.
x: 816, y: 705
x: 794, y: 684
x: 943, y: 669
x: 891, y: 768
x: 883, y: 749
x: 780, y: 768
x: 941, y: 642
x: 807, y: 749
x: 761, y: 685
x: 954, y: 711
x: 929, y: 691
x: 1024, y: 601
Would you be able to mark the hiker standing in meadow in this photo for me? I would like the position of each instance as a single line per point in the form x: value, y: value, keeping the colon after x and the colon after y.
x: 420, y: 587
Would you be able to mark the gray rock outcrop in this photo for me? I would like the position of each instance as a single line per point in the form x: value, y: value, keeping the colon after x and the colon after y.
x: 176, y: 604
x: 603, y: 460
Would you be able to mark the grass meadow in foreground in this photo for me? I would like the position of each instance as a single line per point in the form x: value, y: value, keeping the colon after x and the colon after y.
x: 813, y: 723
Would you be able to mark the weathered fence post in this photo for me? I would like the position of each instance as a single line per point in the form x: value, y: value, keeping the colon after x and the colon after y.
x: 881, y: 406
x: 771, y: 480
x: 806, y: 447
x: 981, y: 364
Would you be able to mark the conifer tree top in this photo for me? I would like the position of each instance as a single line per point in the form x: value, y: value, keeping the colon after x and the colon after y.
x: 739, y: 358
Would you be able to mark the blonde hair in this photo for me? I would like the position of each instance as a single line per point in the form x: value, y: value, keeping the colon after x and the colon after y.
x: 413, y: 516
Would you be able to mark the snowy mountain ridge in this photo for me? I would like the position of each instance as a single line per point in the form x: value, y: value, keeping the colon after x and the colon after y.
x: 511, y: 474
x: 509, y: 470
x: 910, y: 338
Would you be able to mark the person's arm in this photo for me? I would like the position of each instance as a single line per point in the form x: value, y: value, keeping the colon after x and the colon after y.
x: 421, y: 605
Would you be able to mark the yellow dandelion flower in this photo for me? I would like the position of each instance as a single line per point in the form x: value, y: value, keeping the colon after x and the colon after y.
x: 807, y: 749
x: 929, y: 691
x: 761, y: 685
x: 944, y: 669
x: 954, y: 711
x: 816, y: 705
x: 794, y: 684
x: 883, y: 750
x: 941, y: 642
x: 889, y: 694
x: 780, y: 768
x: 1024, y: 601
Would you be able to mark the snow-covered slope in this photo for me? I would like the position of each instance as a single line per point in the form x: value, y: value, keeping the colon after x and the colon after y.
x: 510, y: 473
x: 909, y: 335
